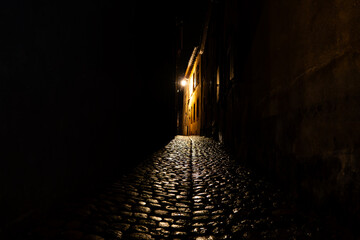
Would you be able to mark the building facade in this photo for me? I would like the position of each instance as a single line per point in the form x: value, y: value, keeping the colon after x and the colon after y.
x: 192, y: 110
x: 193, y: 104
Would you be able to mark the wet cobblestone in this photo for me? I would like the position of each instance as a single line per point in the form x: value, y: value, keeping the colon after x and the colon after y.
x: 190, y: 189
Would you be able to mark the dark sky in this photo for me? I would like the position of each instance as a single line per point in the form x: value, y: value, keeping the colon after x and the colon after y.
x: 155, y: 26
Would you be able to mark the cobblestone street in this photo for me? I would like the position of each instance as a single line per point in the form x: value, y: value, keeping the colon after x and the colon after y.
x: 190, y: 189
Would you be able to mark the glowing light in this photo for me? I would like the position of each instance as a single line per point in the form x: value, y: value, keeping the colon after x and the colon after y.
x: 183, y: 82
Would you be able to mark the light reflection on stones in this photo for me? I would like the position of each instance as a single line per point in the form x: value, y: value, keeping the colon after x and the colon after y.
x: 201, y: 196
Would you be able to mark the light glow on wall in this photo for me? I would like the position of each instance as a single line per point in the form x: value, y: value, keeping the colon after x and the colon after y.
x: 191, y: 84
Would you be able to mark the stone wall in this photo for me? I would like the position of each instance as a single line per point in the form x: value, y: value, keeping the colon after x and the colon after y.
x: 293, y: 110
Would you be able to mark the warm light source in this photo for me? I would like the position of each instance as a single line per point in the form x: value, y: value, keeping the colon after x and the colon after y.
x: 183, y: 82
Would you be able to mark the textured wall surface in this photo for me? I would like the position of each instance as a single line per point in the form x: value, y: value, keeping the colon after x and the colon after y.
x: 294, y: 113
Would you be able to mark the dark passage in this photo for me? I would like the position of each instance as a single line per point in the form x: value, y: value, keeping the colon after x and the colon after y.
x: 91, y: 90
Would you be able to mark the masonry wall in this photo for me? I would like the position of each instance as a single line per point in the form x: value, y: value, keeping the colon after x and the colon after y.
x: 292, y: 110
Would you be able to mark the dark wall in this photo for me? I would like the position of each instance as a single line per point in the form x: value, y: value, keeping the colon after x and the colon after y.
x: 292, y: 108
x: 81, y: 96
x: 312, y: 99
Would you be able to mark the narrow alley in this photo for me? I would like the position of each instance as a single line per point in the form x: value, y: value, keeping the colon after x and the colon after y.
x: 182, y: 119
x: 190, y: 189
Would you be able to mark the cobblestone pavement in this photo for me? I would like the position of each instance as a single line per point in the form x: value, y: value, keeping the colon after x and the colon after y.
x: 190, y: 189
